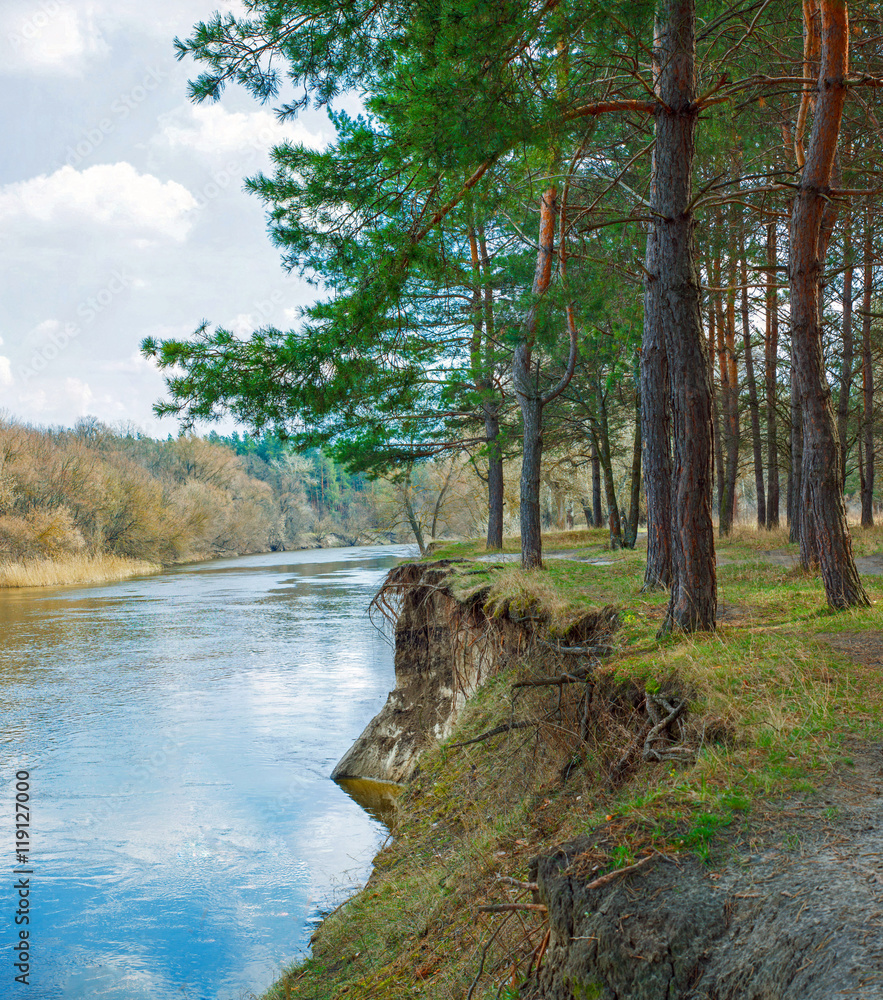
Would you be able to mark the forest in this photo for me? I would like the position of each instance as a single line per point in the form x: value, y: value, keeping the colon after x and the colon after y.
x: 92, y: 492
x: 638, y: 235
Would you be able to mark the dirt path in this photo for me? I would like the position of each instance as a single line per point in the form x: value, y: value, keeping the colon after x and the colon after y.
x: 796, y: 914
x: 867, y: 565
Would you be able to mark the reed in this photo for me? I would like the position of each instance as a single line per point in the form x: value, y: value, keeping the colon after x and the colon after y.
x: 69, y: 569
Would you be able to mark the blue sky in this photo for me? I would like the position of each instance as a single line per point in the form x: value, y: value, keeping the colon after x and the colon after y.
x: 122, y: 213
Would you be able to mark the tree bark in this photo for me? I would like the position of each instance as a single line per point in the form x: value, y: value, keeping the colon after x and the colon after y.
x: 867, y: 443
x: 656, y: 430
x: 601, y: 439
x: 821, y: 452
x: 751, y: 382
x: 730, y: 394
x: 672, y: 285
x: 630, y: 535
x: 494, y: 477
x: 491, y: 406
x: 526, y: 384
x: 846, y: 360
x: 597, y: 520
x: 481, y: 361
x: 411, y: 514
x: 771, y: 350
x: 795, y: 475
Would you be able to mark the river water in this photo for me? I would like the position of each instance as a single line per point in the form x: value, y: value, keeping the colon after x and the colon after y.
x: 179, y: 731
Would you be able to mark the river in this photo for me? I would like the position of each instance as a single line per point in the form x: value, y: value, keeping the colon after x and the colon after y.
x: 179, y: 731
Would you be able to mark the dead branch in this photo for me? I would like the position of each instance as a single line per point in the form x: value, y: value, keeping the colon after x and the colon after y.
x: 542, y: 949
x: 504, y: 728
x: 484, y: 951
x: 507, y: 907
x: 679, y: 752
x: 602, y: 650
x: 610, y: 876
x: 508, y: 880
x: 574, y: 678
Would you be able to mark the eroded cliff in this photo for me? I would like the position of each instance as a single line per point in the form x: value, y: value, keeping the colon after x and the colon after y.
x: 444, y: 651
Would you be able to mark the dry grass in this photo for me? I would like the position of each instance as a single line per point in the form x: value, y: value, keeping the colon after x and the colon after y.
x: 73, y: 569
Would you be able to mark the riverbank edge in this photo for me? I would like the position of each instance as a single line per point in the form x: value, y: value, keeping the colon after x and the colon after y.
x: 78, y: 568
x: 73, y: 570
x: 417, y: 960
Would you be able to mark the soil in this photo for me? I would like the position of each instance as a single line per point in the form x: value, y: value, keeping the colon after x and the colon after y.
x: 444, y: 651
x: 795, y: 913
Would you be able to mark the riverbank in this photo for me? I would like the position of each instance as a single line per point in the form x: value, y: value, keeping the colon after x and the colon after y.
x: 65, y: 570
x: 718, y: 766
x: 73, y: 569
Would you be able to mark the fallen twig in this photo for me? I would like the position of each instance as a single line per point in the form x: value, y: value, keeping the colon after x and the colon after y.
x: 574, y: 678
x: 488, y: 943
x: 507, y: 907
x: 600, y: 650
x: 504, y: 728
x: 514, y: 881
x: 610, y: 876
x: 542, y: 950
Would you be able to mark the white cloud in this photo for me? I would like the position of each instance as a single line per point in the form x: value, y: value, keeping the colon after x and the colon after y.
x: 214, y: 132
x: 68, y: 399
x: 79, y: 394
x: 5, y: 371
x: 42, y: 331
x: 134, y: 364
x: 51, y: 37
x: 114, y: 195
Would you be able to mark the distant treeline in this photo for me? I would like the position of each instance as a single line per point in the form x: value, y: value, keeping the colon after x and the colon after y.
x: 92, y: 489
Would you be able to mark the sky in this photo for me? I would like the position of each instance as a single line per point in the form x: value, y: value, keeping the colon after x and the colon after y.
x: 122, y: 210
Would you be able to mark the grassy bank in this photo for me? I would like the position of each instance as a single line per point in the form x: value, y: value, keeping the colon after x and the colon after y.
x: 774, y: 700
x: 72, y: 569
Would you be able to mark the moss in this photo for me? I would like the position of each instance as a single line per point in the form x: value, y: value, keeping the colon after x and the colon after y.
x: 586, y: 990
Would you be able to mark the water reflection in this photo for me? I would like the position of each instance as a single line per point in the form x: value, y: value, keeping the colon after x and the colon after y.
x: 379, y: 798
x: 180, y: 730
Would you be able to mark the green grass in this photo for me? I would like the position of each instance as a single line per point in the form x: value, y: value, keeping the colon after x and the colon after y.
x: 777, y: 708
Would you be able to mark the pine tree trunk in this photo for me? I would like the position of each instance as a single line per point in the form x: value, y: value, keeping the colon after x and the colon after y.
x: 771, y: 349
x: 867, y: 443
x: 482, y: 363
x: 730, y: 392
x: 597, y: 520
x: 411, y: 514
x: 846, y: 361
x: 601, y: 433
x: 718, y: 478
x: 494, y: 477
x: 630, y: 535
x: 674, y: 285
x: 753, y: 405
x: 655, y: 431
x: 821, y: 452
x: 795, y: 475
x: 531, y: 468
x: 527, y: 390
